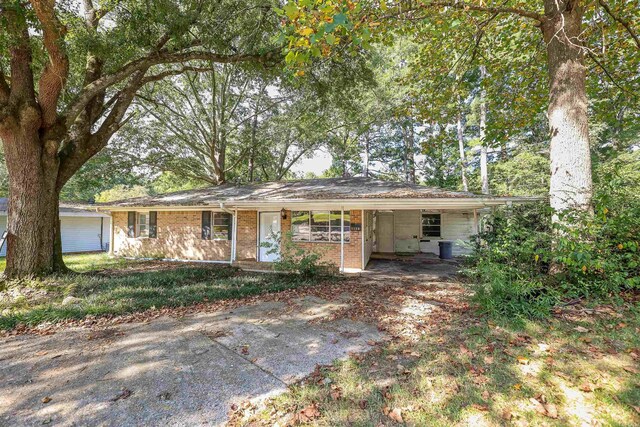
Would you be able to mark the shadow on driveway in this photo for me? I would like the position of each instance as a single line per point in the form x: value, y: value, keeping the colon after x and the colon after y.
x: 168, y: 371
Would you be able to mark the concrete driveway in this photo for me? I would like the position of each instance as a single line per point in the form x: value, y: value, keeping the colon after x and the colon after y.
x: 170, y: 371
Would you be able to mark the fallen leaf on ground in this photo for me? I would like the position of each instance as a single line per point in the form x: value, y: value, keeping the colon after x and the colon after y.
x: 631, y: 369
x: 479, y: 407
x: 307, y: 414
x: 46, y: 399
x: 395, y: 414
x: 552, y: 410
x: 464, y: 350
x: 335, y: 393
x: 507, y: 415
x: 586, y: 387
x: 581, y: 329
x: 538, y: 407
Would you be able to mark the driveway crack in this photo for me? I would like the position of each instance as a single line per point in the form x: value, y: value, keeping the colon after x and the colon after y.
x: 266, y: 371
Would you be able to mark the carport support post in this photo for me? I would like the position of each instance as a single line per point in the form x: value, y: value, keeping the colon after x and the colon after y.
x: 342, y: 239
x: 475, y: 221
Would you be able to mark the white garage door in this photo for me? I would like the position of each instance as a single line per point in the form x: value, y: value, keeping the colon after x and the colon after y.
x: 79, y: 234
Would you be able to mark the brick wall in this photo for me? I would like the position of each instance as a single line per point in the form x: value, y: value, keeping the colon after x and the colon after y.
x: 179, y: 236
x: 247, y: 240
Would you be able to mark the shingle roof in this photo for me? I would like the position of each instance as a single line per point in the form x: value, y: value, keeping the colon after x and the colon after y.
x: 298, y: 190
x: 66, y: 208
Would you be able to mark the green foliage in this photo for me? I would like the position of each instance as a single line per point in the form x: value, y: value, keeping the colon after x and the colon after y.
x: 525, y: 174
x: 120, y: 192
x: 169, y: 182
x: 294, y: 258
x: 525, y: 265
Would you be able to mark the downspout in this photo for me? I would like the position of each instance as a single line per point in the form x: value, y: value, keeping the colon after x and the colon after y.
x: 233, y: 228
x: 342, y: 239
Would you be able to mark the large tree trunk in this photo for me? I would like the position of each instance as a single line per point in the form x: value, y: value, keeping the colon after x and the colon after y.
x: 571, y: 184
x: 463, y: 160
x: 366, y: 160
x: 484, y: 169
x: 33, y: 218
x: 409, y: 148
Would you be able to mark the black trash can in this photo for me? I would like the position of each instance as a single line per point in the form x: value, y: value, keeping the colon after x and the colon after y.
x: 446, y: 249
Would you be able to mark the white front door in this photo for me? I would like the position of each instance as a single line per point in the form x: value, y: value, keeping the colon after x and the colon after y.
x: 269, y: 236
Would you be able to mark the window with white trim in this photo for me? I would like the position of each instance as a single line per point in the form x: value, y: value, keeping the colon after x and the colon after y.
x: 142, y: 224
x: 216, y: 225
x: 431, y: 225
x: 319, y: 226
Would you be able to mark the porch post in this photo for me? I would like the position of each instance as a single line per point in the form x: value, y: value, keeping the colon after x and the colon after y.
x: 475, y: 221
x: 342, y: 239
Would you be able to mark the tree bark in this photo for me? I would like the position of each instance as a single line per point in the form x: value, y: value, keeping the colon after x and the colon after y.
x: 463, y: 160
x: 484, y: 170
x: 409, y: 160
x: 365, y: 169
x: 33, y: 220
x: 571, y: 181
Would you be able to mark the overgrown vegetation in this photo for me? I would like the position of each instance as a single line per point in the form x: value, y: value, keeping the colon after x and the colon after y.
x: 296, y: 258
x: 525, y: 265
x: 576, y: 368
x: 114, y: 286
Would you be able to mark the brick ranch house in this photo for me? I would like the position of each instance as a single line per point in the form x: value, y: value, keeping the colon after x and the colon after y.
x: 346, y: 220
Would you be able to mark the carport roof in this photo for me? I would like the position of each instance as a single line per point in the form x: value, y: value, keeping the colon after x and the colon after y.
x: 350, y: 192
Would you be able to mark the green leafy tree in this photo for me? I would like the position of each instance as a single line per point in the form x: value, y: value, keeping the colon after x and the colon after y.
x: 68, y: 75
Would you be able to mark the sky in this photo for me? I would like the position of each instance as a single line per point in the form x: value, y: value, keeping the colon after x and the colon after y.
x: 319, y: 161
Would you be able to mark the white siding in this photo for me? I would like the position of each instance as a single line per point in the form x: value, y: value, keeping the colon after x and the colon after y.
x: 79, y: 233
x: 406, y: 230
x: 457, y: 227
x: 3, y: 227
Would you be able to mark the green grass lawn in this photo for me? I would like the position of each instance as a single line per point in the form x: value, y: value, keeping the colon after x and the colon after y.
x: 116, y: 286
x: 468, y: 371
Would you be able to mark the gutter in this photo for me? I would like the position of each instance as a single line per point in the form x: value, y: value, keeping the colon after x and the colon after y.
x: 389, y: 203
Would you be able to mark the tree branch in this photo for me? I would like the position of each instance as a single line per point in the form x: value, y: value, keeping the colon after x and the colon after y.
x: 55, y: 73
x: 174, y: 72
x: 21, y: 58
x: 621, y: 21
x: 144, y: 63
x: 608, y: 74
x: 5, y: 90
x: 461, y: 5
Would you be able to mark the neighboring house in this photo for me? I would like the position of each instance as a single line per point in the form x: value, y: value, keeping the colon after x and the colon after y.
x: 231, y: 223
x: 83, y: 230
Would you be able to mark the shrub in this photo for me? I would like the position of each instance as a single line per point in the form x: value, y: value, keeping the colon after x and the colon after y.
x: 525, y: 265
x: 294, y: 259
